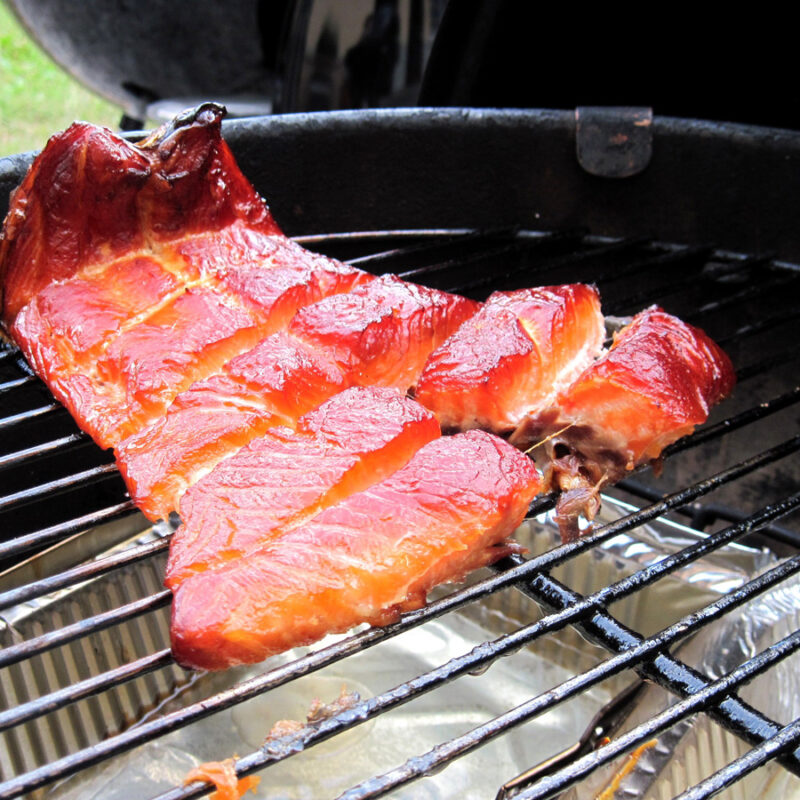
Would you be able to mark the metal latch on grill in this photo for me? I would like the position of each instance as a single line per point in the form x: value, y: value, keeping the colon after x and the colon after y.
x: 614, y: 142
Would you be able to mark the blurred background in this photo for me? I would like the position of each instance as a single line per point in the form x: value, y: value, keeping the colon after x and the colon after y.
x: 37, y: 97
x: 131, y: 65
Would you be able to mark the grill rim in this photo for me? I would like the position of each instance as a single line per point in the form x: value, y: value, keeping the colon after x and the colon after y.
x: 383, y: 162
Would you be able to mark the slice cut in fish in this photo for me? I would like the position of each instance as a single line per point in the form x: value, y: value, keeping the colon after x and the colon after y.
x: 286, y: 476
x: 512, y: 357
x: 375, y: 554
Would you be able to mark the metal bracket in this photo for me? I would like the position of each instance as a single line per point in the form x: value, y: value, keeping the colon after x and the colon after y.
x: 614, y: 142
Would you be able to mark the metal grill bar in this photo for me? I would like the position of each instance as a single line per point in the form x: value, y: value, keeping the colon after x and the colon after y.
x: 736, y: 716
x: 782, y: 358
x: 637, y: 300
x: 560, y: 241
x: 788, y: 737
x: 55, y: 532
x: 610, y: 274
x: 87, y: 688
x: 15, y: 419
x: 14, y: 459
x: 766, y: 323
x: 448, y: 249
x: 735, y: 422
x: 7, y: 386
x: 37, y: 492
x: 81, y: 573
x: 47, y: 641
x: 552, y: 785
x: 747, y: 295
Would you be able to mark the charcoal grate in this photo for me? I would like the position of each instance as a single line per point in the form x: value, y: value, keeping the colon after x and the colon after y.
x: 735, y: 478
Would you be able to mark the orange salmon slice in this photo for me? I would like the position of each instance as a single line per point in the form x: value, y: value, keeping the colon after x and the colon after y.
x: 291, y: 279
x: 273, y: 384
x: 67, y: 324
x: 367, y: 559
x: 381, y: 333
x: 657, y: 382
x: 512, y: 357
x: 146, y: 367
x: 286, y: 476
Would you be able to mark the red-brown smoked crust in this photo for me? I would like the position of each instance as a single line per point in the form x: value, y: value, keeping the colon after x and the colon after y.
x: 655, y: 385
x: 510, y: 359
x: 381, y: 333
x: 90, y: 197
x: 658, y: 381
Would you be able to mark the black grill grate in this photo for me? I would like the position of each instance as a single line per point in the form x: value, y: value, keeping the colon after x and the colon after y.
x: 56, y: 484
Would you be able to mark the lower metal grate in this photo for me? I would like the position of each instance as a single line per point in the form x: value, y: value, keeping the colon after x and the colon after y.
x: 86, y: 675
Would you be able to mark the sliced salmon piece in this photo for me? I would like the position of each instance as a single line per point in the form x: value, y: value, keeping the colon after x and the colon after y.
x: 658, y: 382
x: 65, y: 327
x: 382, y: 332
x: 146, y: 367
x: 286, y: 476
x: 273, y: 384
x: 512, y: 357
x: 367, y: 559
x: 282, y: 289
x: 203, y: 425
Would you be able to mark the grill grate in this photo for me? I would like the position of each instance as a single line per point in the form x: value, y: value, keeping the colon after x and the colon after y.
x: 58, y: 489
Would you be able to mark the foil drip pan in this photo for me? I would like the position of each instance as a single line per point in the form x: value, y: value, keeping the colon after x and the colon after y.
x: 682, y: 757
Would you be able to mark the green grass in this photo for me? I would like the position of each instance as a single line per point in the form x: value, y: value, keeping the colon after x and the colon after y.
x: 37, y: 98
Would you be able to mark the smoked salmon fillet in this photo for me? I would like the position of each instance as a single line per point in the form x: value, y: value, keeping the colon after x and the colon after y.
x: 656, y: 383
x: 373, y: 555
x: 285, y: 476
x: 512, y: 357
x: 260, y: 390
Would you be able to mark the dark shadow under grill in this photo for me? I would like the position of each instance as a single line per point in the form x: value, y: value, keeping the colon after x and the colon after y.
x: 737, y: 479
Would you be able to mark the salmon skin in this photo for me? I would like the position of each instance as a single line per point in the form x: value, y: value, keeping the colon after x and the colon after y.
x: 285, y: 476
x: 91, y: 197
x: 511, y: 358
x: 452, y: 508
x: 656, y: 383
